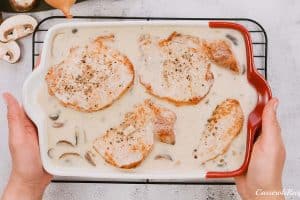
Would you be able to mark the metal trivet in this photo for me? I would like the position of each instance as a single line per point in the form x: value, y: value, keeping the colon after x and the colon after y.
x: 260, y: 52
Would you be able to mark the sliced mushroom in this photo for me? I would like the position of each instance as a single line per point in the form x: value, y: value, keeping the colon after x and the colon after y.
x: 22, y: 5
x: 74, y: 30
x: 163, y: 157
x: 67, y: 154
x: 65, y: 142
x: 88, y: 157
x: 58, y: 124
x: 17, y: 27
x: 10, y: 52
x: 54, y: 116
x: 221, y: 162
x: 232, y: 39
x: 80, y: 136
x: 243, y: 69
x: 76, y: 136
x: 51, y: 153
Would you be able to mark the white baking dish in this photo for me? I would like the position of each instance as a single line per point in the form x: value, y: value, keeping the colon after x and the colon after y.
x: 35, y: 112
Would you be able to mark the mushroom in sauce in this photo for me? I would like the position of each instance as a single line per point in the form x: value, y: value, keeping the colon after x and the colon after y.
x: 54, y: 116
x: 163, y: 157
x: 88, y: 158
x: 80, y: 136
x: 65, y: 142
x: 58, y: 124
x: 70, y: 157
x: 232, y: 39
x: 69, y: 154
x: 50, y: 153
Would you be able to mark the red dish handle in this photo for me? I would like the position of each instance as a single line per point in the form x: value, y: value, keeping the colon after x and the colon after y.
x: 263, y: 92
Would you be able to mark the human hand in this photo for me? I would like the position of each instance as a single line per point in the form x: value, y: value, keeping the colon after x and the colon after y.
x: 28, y: 179
x: 267, y: 160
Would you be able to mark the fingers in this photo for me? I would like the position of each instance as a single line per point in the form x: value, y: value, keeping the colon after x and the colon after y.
x: 240, y: 184
x: 38, y: 61
x: 239, y: 179
x: 270, y: 126
x: 14, y: 115
x: 270, y: 140
x: 28, y: 125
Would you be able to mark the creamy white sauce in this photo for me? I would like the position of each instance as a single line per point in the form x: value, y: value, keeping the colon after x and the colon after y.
x: 190, y: 122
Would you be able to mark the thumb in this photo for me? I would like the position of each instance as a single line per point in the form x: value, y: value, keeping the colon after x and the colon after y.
x: 270, y: 126
x: 14, y: 115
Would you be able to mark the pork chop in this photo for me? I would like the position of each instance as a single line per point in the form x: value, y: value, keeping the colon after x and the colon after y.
x: 221, y: 54
x: 176, y: 69
x: 223, y: 126
x: 129, y: 143
x: 92, y: 77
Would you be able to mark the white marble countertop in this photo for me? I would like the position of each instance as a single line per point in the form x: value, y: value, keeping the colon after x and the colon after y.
x: 281, y: 19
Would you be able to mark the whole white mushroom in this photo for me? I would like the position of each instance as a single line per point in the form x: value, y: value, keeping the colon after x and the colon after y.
x: 22, y: 5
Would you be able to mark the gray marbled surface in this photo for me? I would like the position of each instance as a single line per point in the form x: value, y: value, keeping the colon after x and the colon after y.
x: 281, y: 18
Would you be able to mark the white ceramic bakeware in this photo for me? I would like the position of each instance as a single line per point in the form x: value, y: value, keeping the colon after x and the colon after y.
x: 35, y: 112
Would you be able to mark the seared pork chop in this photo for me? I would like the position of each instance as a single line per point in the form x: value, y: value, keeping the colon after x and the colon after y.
x: 223, y: 126
x: 92, y: 77
x: 221, y: 54
x: 176, y: 69
x: 129, y: 143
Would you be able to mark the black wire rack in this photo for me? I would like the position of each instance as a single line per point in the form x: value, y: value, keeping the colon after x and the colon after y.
x: 260, y: 51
